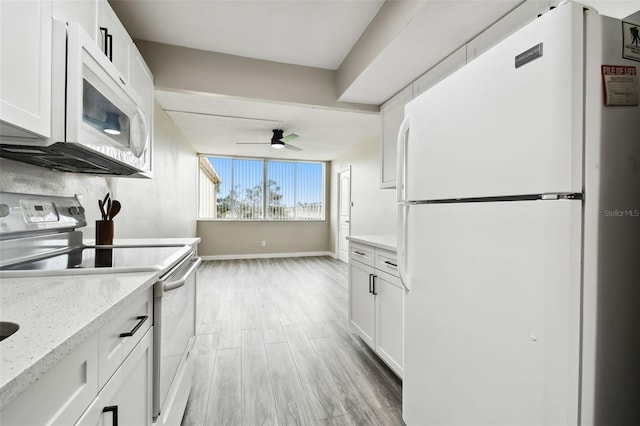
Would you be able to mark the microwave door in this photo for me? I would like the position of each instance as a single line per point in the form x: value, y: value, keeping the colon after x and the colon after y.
x: 100, y: 112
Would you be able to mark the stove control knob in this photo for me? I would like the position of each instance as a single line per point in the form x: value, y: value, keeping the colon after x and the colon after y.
x: 4, y: 210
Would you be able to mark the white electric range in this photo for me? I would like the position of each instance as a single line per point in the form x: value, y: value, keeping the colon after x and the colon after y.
x: 39, y: 237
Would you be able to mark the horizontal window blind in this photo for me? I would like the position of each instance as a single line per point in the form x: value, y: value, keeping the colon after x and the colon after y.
x: 260, y: 189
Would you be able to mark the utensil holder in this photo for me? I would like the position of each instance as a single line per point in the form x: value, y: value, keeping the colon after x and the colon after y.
x: 104, y: 232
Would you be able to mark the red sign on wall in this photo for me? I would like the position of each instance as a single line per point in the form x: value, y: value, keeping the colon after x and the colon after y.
x: 620, y: 85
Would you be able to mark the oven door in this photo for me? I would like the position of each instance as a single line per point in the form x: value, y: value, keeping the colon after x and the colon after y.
x: 174, y: 330
x: 101, y: 113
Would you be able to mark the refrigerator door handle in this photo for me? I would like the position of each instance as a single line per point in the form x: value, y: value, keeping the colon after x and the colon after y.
x: 401, y: 160
x: 402, y: 245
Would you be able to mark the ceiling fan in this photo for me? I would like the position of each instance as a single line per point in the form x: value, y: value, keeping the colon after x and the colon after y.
x: 278, y: 141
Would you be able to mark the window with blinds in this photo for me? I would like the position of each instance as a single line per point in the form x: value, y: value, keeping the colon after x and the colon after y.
x: 260, y: 189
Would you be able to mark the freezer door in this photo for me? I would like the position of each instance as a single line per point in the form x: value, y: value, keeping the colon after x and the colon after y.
x: 492, y: 317
x: 492, y: 129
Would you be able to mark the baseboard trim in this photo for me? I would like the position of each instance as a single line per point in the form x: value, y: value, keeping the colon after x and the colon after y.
x: 269, y: 255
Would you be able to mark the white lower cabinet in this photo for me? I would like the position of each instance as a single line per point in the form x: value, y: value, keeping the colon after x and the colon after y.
x: 126, y: 398
x: 120, y: 335
x: 61, y: 395
x: 376, y: 302
x: 112, y: 368
x: 362, y: 301
x: 389, y: 320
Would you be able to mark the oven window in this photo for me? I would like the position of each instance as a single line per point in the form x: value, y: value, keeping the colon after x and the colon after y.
x: 102, y: 115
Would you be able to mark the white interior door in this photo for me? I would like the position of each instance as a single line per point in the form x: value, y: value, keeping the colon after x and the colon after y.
x: 344, y: 214
x: 492, y: 318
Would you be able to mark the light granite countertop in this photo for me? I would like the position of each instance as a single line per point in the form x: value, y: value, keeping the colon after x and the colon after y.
x: 386, y: 242
x: 56, y: 315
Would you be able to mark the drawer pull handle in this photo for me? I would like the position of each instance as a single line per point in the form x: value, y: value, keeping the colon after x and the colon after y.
x: 395, y: 265
x: 141, y: 321
x: 114, y: 409
x: 359, y: 252
x: 370, y: 283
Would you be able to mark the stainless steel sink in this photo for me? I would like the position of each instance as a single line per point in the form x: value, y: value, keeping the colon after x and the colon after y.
x: 7, y: 329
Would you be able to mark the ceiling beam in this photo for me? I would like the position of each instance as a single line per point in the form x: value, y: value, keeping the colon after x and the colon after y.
x: 192, y: 70
x: 392, y: 18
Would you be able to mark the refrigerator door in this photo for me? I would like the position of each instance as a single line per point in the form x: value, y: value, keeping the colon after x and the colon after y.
x: 492, y: 319
x: 492, y: 129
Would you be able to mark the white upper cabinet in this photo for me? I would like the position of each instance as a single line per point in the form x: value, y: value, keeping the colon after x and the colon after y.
x: 114, y: 39
x: 446, y: 67
x: 84, y: 13
x: 25, y: 58
x: 522, y: 15
x: 391, y: 113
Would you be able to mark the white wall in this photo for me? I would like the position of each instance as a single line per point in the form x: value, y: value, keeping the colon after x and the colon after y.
x: 164, y: 206
x: 191, y: 70
x: 374, y: 210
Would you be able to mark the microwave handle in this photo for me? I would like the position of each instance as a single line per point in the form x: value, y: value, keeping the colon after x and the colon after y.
x: 138, y: 151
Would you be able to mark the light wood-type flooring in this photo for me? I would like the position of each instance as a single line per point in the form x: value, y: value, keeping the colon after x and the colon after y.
x: 273, y: 347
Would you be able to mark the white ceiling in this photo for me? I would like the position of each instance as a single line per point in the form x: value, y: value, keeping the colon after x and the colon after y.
x: 316, y: 33
x: 213, y: 125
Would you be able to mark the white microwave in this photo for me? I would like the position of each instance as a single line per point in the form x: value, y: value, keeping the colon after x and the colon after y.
x: 98, y: 126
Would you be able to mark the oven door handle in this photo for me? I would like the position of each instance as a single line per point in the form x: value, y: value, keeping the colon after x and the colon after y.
x: 172, y: 285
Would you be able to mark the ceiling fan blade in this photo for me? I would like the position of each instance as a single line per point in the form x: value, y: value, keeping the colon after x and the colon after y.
x: 289, y: 138
x: 292, y: 147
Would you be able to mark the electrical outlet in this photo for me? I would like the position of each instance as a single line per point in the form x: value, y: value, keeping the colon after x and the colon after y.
x: 264, y: 243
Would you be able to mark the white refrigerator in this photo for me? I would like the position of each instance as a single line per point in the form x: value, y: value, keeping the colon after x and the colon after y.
x: 519, y: 233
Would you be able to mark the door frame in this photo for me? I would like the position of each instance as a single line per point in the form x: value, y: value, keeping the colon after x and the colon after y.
x: 339, y: 198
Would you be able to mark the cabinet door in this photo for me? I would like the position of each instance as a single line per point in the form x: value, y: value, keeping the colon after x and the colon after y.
x: 114, y: 39
x: 446, y: 67
x: 60, y: 395
x: 389, y: 320
x: 362, y: 301
x: 392, y: 114
x: 127, y: 396
x: 25, y: 55
x: 84, y: 13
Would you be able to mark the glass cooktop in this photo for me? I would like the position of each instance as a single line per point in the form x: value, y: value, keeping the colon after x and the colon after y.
x: 136, y: 258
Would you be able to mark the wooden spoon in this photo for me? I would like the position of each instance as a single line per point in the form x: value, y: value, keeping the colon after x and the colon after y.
x: 115, y: 209
x: 101, y: 205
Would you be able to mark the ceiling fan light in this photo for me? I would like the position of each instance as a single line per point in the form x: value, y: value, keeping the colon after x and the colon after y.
x: 275, y: 139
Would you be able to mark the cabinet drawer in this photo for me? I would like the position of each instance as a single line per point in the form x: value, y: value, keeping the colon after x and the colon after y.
x: 362, y: 253
x: 115, y: 343
x: 61, y: 395
x: 387, y: 261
